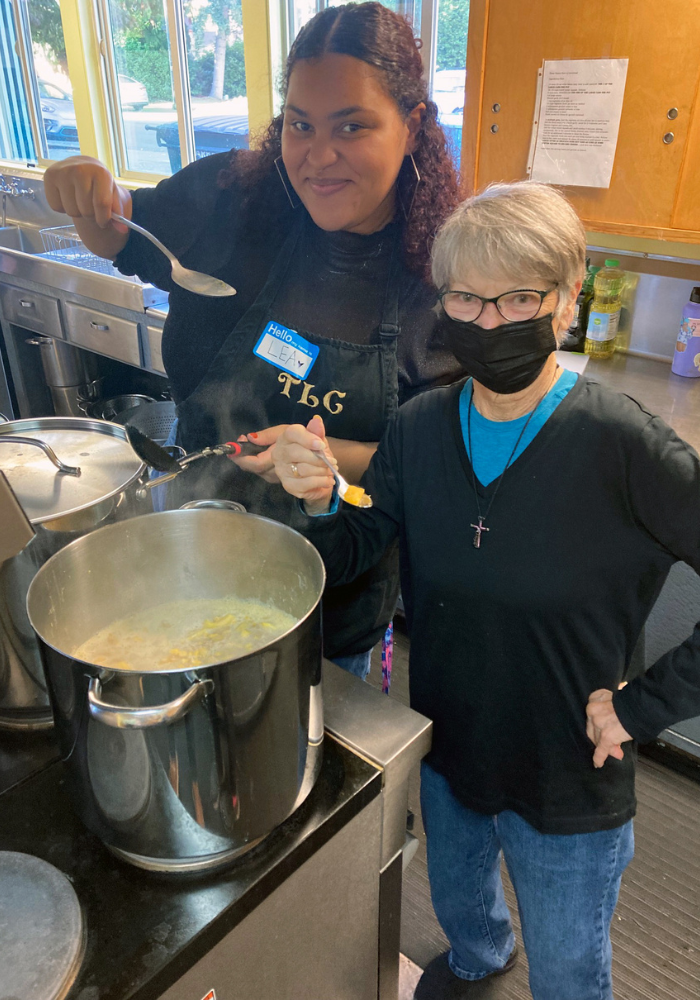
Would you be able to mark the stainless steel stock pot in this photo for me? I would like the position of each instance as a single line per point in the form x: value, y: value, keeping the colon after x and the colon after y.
x: 61, y: 508
x: 183, y: 770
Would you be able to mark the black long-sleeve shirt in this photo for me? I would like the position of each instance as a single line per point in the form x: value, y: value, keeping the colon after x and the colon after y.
x: 334, y: 287
x: 509, y: 640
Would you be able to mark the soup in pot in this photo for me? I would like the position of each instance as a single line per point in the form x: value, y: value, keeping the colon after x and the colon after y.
x: 185, y: 634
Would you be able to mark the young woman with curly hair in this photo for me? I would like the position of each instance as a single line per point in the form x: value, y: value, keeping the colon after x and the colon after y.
x: 325, y: 232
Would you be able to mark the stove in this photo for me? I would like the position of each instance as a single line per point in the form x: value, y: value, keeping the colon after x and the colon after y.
x: 312, y: 913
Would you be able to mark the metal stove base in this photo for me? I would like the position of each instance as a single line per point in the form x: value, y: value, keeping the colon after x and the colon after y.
x: 314, y: 937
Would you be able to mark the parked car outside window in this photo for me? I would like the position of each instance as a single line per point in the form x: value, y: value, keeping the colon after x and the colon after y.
x: 132, y: 94
x: 58, y: 112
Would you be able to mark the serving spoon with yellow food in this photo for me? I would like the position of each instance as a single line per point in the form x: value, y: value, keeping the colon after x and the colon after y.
x: 354, y: 495
x: 158, y: 458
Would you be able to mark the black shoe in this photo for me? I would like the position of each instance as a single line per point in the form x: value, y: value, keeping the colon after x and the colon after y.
x: 439, y: 982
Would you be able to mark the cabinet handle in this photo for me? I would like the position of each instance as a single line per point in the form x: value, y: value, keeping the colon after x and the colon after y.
x: 98, y: 326
x: 26, y: 303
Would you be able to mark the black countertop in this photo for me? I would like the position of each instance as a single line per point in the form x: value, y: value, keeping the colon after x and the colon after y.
x: 23, y: 753
x: 144, y: 930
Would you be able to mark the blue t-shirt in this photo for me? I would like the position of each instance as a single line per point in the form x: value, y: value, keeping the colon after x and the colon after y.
x: 493, y: 440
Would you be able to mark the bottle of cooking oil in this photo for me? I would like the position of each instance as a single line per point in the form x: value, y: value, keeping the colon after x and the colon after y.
x: 604, y: 315
x: 576, y: 334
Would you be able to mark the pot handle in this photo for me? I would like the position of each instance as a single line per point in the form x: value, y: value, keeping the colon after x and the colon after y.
x: 70, y: 470
x: 123, y: 717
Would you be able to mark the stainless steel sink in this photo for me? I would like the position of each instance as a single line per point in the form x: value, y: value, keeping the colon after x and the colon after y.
x: 23, y: 256
x: 24, y: 239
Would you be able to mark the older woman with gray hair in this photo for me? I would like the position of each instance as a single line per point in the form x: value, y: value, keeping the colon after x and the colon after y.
x: 538, y: 515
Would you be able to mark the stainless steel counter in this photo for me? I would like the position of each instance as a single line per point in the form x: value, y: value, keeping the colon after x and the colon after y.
x: 392, y: 737
x: 677, y: 401
x: 105, y: 314
x: 22, y: 258
x: 674, y: 398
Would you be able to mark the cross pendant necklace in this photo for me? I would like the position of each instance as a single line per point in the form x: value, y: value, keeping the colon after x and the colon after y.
x: 480, y: 527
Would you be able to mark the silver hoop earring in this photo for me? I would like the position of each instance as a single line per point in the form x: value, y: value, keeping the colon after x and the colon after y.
x: 418, y: 178
x: 291, y: 198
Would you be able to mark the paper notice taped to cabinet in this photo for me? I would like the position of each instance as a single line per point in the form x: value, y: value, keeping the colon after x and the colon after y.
x: 577, y: 120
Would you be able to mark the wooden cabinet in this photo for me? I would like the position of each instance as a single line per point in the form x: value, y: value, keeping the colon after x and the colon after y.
x: 655, y: 187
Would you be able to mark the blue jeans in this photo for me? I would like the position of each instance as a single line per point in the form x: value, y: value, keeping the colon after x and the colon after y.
x: 566, y: 887
x: 358, y: 663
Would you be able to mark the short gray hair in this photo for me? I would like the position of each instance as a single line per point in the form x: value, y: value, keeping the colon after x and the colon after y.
x: 525, y: 231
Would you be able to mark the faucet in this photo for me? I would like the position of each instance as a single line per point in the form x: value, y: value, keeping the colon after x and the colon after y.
x: 20, y: 189
x: 15, y: 188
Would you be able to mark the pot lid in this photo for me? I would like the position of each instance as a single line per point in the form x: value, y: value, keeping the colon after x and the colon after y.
x: 41, y: 929
x: 100, y: 449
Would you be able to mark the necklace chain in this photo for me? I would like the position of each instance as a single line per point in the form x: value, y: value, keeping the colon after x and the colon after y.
x: 479, y: 527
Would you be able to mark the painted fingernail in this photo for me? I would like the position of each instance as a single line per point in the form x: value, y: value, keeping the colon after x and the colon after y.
x: 254, y: 434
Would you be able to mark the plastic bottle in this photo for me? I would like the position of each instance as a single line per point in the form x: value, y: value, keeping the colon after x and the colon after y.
x: 686, y: 357
x: 587, y: 291
x: 627, y: 298
x: 576, y: 334
x: 604, y: 315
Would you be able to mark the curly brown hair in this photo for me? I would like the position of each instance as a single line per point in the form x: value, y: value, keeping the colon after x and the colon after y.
x: 377, y: 36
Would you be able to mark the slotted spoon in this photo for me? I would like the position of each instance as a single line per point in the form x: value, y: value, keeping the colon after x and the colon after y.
x: 161, y: 460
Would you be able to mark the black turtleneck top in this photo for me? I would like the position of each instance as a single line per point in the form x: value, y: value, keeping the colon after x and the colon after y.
x: 334, y: 287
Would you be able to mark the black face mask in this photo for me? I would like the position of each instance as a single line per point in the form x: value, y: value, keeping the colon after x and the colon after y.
x: 505, y: 359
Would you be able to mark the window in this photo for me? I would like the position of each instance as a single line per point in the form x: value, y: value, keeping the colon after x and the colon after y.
x: 37, y: 115
x: 170, y: 83
x: 217, y: 75
x: 409, y: 8
x: 450, y: 69
x: 50, y: 64
x: 140, y: 84
x: 301, y: 11
x: 442, y: 25
x: 177, y: 80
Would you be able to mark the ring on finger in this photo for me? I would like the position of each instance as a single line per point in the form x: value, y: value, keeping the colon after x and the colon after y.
x: 295, y: 470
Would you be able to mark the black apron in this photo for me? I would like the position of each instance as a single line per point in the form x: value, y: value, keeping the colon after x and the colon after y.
x: 353, y: 387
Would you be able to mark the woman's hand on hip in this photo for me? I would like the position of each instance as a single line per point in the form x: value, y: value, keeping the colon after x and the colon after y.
x: 299, y: 467
x: 604, y: 729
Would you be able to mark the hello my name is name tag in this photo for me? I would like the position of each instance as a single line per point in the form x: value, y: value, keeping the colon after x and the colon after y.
x: 285, y: 349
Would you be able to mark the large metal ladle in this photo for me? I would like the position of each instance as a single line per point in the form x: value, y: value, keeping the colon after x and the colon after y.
x: 158, y: 458
x: 193, y: 281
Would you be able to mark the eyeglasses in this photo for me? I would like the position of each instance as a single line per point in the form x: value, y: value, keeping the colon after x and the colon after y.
x: 522, y: 304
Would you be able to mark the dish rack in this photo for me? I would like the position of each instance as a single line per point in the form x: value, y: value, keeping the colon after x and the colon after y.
x: 63, y: 243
